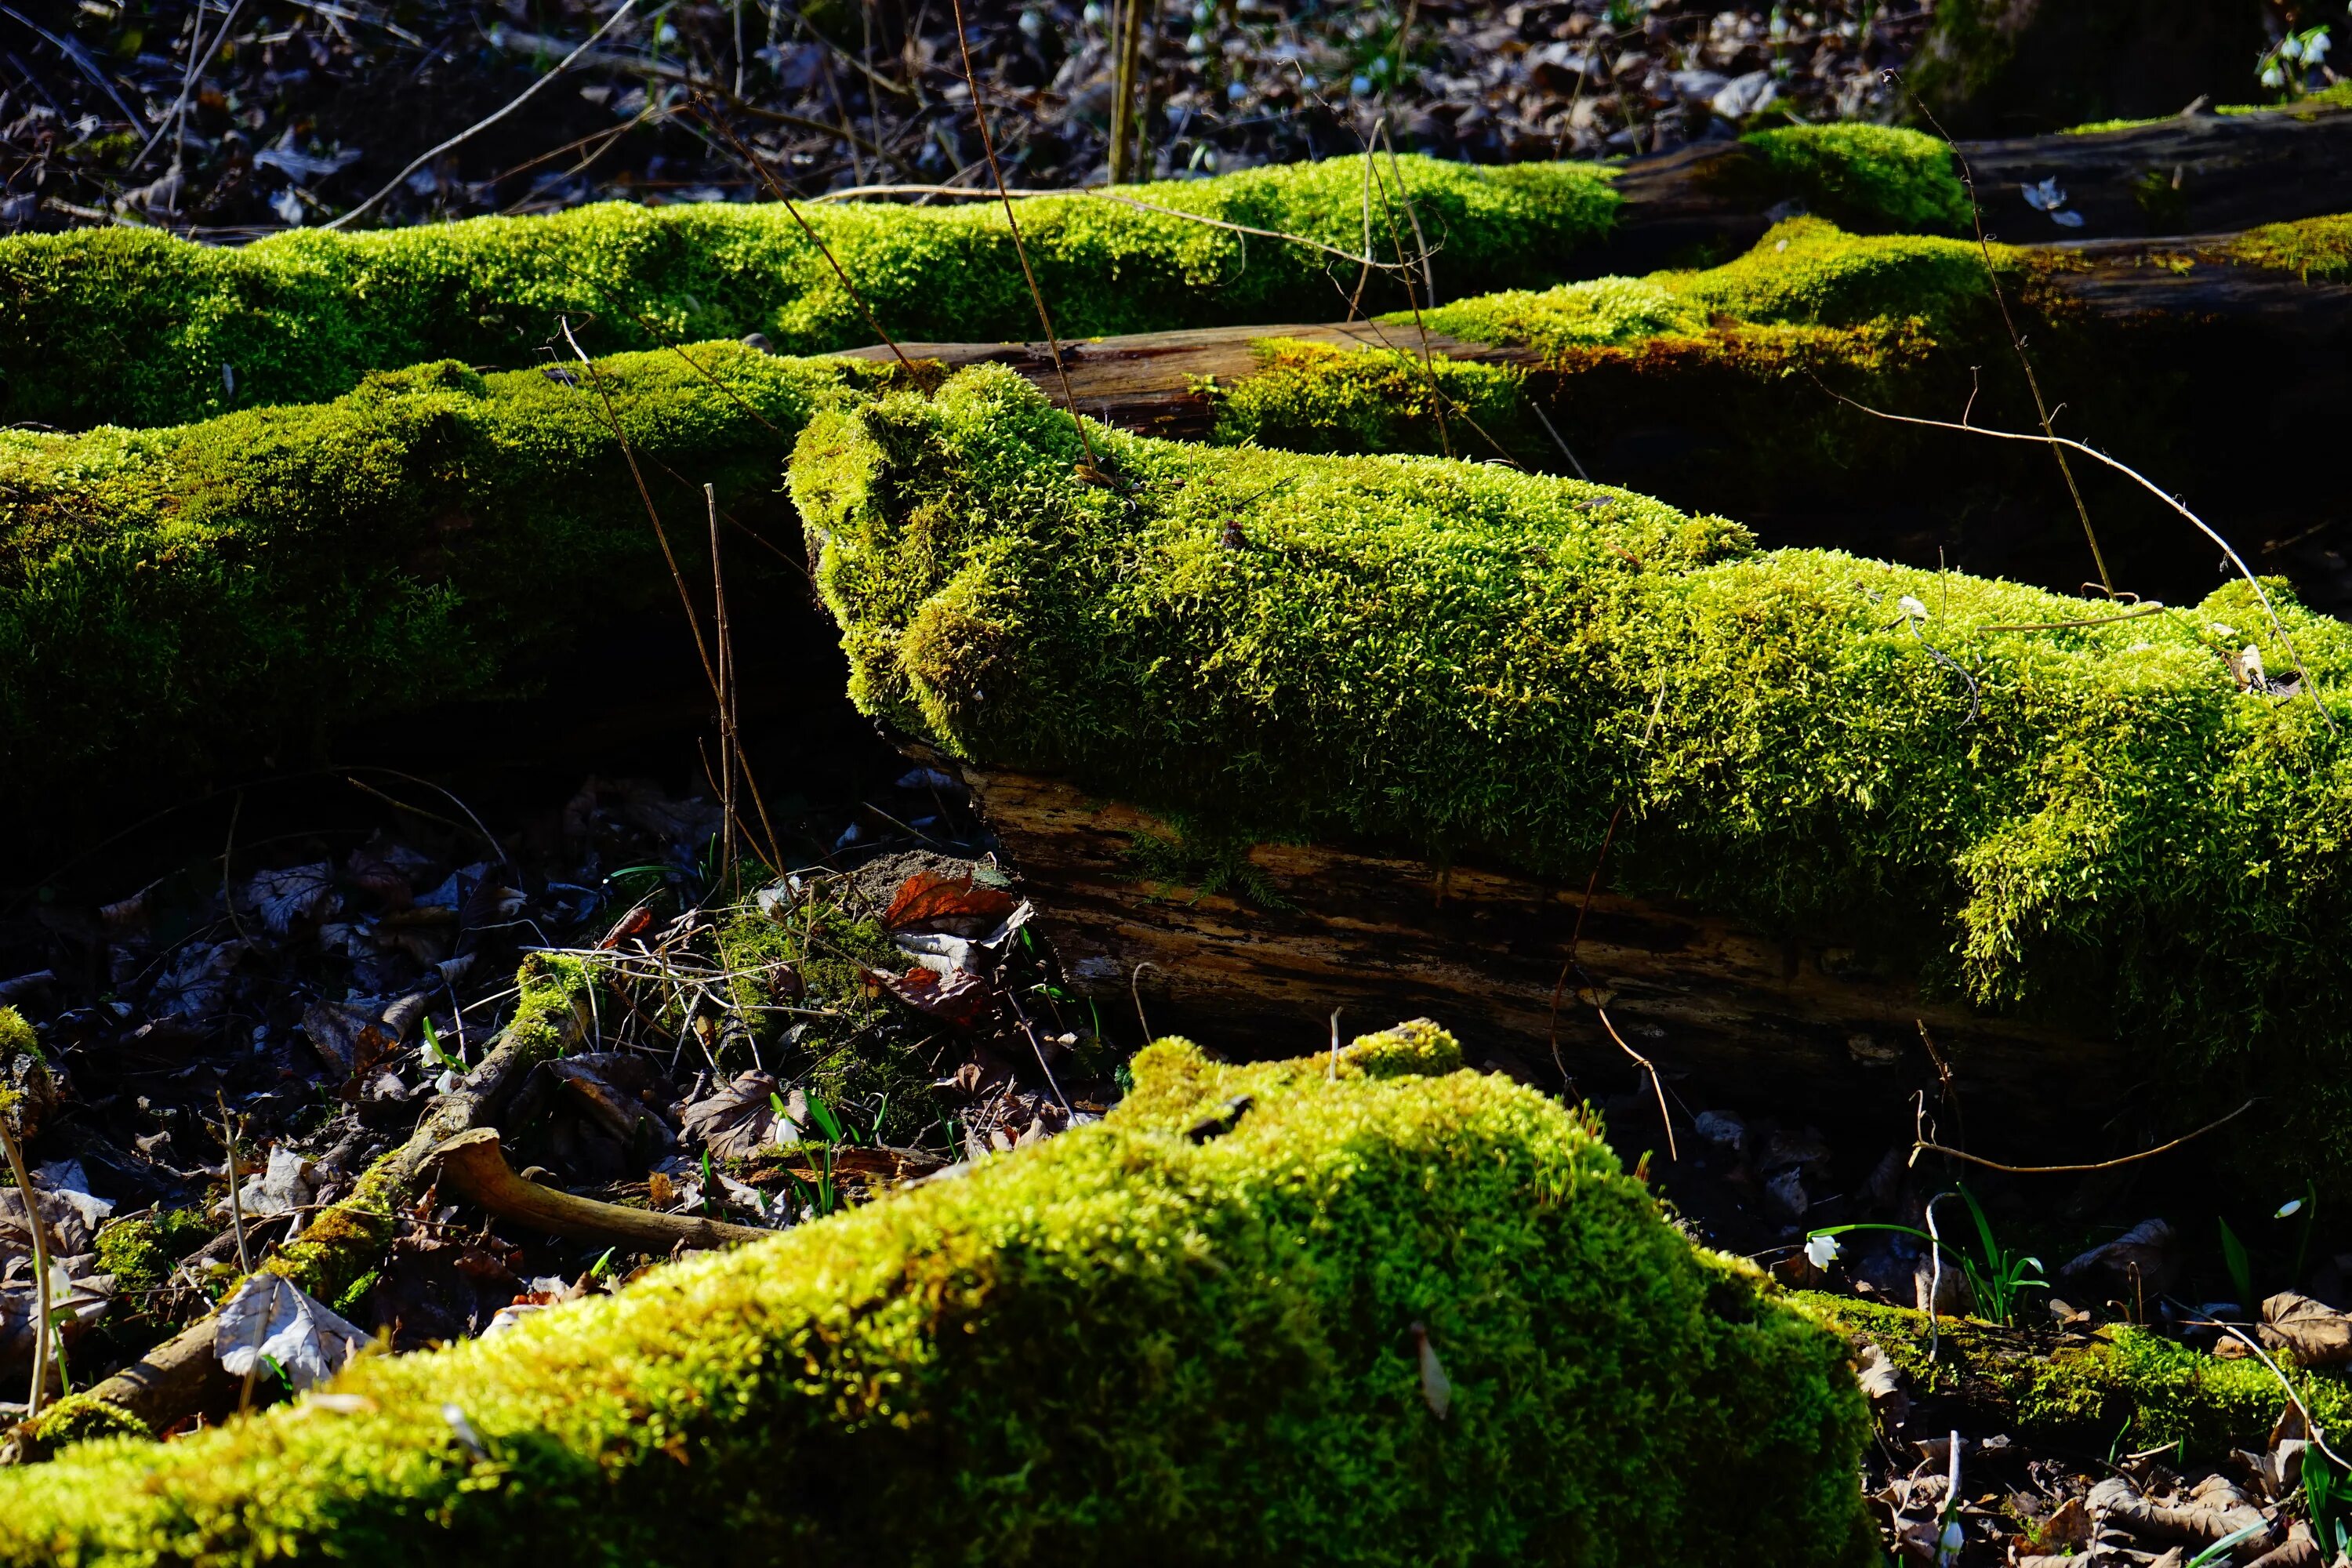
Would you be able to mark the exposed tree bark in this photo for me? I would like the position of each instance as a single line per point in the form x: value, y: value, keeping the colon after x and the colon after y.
x: 1810, y: 1020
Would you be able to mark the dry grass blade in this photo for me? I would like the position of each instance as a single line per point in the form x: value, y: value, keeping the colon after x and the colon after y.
x: 40, y: 1263
x: 1926, y: 1146
x: 758, y: 166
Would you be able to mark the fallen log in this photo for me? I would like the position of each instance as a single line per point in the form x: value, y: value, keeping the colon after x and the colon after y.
x: 2289, y: 284
x: 2194, y: 174
x: 2012, y: 799
x: 1376, y: 1367
x: 133, y: 327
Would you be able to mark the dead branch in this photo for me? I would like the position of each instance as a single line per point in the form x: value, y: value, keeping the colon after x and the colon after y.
x: 1924, y: 1146
x: 474, y: 1167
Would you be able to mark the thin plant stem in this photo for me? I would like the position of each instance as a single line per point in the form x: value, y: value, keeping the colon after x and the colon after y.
x: 40, y: 1232
x: 2278, y: 629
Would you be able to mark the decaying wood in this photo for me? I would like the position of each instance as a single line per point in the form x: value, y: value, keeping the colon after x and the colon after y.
x: 1158, y: 384
x: 1817, y: 1023
x: 2194, y: 174
x: 182, y: 1376
x: 473, y: 1166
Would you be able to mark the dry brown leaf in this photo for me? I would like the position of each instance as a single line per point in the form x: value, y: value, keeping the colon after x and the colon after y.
x: 2318, y: 1333
x: 954, y: 905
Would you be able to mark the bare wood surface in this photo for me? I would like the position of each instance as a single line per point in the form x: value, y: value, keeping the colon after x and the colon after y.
x: 1724, y: 1011
x: 473, y: 1166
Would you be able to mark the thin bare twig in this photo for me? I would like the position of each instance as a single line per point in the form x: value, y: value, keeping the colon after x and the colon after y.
x: 1924, y: 1146
x: 1045, y: 316
x: 484, y: 123
x: 1575, y: 937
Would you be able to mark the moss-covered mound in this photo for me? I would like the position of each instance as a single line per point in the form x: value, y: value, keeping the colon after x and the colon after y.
x: 131, y: 327
x: 1191, y: 1333
x: 2093, y: 819
x: 2085, y: 1389
x: 217, y: 593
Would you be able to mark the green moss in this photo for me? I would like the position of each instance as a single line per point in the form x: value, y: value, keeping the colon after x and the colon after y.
x: 210, y: 596
x: 2087, y: 1389
x: 1313, y: 398
x: 129, y: 326
x: 1868, y: 176
x: 1458, y: 656
x: 2318, y: 248
x: 78, y: 1418
x: 1137, y: 1337
x: 140, y: 1252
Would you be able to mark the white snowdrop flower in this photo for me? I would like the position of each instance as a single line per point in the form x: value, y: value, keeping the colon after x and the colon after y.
x: 2289, y: 1209
x: 2272, y: 77
x: 2291, y: 47
x: 1821, y: 1251
x: 2315, y: 47
x: 1032, y: 25
x: 1093, y: 14
x: 1198, y: 44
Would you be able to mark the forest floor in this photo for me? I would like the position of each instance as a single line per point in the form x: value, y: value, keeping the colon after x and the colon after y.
x: 290, y: 118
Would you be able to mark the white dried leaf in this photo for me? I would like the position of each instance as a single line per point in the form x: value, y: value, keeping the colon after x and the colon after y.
x: 271, y: 1316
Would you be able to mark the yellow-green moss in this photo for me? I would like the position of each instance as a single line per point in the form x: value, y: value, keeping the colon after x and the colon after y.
x: 1868, y: 176
x: 139, y: 1251
x: 2120, y: 1382
x: 1314, y: 397
x: 211, y: 594
x: 1144, y: 1339
x: 129, y: 326
x: 2316, y: 250
x: 1459, y: 657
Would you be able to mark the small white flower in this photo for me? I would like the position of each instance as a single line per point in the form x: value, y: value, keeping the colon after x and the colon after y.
x: 1821, y: 1251
x: 1093, y: 13
x: 2315, y: 47
x: 1912, y: 607
x: 2070, y: 219
x: 2291, y: 47
x: 1953, y: 1540
x: 1032, y: 25
x: 2289, y: 1209
x: 2272, y: 77
x: 2045, y: 196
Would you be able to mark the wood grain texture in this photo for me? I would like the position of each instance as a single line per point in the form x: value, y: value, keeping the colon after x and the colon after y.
x: 1729, y: 1013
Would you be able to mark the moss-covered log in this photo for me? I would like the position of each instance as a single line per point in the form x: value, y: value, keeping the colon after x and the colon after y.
x: 2091, y: 820
x: 2096, y: 1389
x: 1720, y: 389
x: 133, y: 327
x: 1881, y: 312
x: 214, y: 595
x: 1238, y: 1321
x: 2200, y: 173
